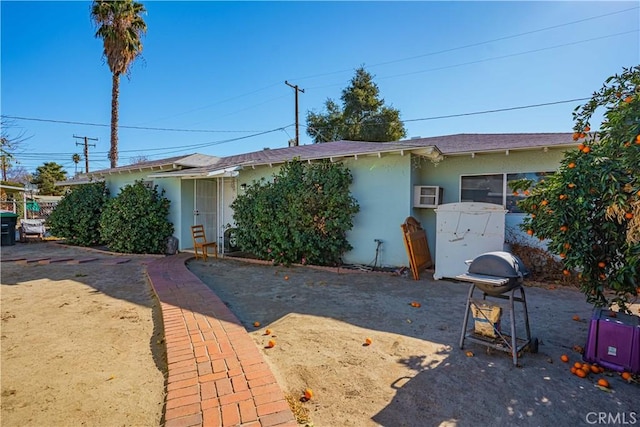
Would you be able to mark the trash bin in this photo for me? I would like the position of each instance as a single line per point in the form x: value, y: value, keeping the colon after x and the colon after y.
x: 8, y: 221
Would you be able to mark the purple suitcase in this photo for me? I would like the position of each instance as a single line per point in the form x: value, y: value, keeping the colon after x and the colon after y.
x: 614, y: 341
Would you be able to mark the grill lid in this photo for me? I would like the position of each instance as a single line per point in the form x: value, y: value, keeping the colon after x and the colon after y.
x: 498, y: 264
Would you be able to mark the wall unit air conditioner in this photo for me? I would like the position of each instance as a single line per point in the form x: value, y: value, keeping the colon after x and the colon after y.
x: 427, y: 196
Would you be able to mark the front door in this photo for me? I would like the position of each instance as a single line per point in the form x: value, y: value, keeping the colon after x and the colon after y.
x: 204, y: 211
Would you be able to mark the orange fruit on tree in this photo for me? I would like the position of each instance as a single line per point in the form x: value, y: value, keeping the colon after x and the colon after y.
x: 580, y: 147
x: 544, y: 202
x: 563, y: 255
x: 602, y: 264
x: 586, y: 150
x: 628, y: 215
x: 587, y: 128
x: 628, y: 99
x: 567, y: 245
x: 530, y: 232
x: 603, y: 383
x: 564, y: 358
x: 638, y: 139
x: 571, y: 165
x: 564, y: 228
x: 571, y: 185
x: 566, y: 272
x: 576, y: 136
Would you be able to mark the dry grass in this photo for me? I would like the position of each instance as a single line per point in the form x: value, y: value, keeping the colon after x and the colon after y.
x: 299, y: 410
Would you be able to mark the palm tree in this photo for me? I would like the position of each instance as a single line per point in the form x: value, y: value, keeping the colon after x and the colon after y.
x: 121, y: 27
x: 76, y: 160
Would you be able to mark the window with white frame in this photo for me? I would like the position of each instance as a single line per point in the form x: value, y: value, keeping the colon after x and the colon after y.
x: 494, y: 188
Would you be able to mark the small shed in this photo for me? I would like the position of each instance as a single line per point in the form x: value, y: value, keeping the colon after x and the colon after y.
x: 463, y: 231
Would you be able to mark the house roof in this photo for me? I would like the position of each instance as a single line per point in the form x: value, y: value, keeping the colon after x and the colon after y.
x: 467, y: 143
x: 200, y: 165
x: 170, y: 163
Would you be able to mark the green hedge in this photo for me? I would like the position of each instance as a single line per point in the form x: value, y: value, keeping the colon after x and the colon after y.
x: 301, y: 217
x: 76, y: 218
x: 136, y: 220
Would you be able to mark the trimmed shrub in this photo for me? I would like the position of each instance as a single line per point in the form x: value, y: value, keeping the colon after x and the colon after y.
x: 76, y: 218
x: 136, y: 220
x: 301, y: 217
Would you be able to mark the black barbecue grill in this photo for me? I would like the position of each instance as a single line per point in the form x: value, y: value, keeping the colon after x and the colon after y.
x: 496, y: 274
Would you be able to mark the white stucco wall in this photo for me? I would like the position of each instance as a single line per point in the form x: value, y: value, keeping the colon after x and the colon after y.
x: 447, y: 174
x: 382, y: 188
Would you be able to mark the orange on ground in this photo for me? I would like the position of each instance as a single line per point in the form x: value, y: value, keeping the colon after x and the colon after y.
x: 564, y: 358
x: 581, y: 373
x: 595, y: 369
x: 577, y: 365
x: 256, y: 324
x: 271, y: 344
x: 603, y: 383
x: 469, y: 354
x: 308, y: 394
x: 368, y: 341
x: 626, y: 376
x: 286, y: 277
x: 576, y: 317
x: 267, y: 332
x: 573, y: 370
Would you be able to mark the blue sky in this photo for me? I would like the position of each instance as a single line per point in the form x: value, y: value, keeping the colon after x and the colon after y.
x: 216, y: 70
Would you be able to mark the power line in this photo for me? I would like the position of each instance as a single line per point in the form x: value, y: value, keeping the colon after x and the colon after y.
x: 496, y: 110
x: 476, y: 44
x: 493, y: 58
x: 68, y: 122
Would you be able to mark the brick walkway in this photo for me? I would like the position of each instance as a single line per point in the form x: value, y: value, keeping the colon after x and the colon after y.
x: 217, y: 375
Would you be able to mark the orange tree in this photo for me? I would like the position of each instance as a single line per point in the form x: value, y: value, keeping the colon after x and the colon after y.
x: 588, y: 212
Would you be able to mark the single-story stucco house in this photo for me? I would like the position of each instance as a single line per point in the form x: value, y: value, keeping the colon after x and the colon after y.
x: 392, y: 180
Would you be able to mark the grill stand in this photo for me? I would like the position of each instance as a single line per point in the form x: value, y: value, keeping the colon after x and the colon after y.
x: 502, y: 342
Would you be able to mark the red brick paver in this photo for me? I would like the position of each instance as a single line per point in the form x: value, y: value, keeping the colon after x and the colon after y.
x: 212, y: 360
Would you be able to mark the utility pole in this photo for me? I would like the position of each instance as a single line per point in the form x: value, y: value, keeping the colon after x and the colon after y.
x: 86, y: 149
x: 296, y: 89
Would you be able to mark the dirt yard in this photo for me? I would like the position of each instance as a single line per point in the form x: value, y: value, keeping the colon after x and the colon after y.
x: 79, y: 341
x: 413, y: 373
x: 80, y: 347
